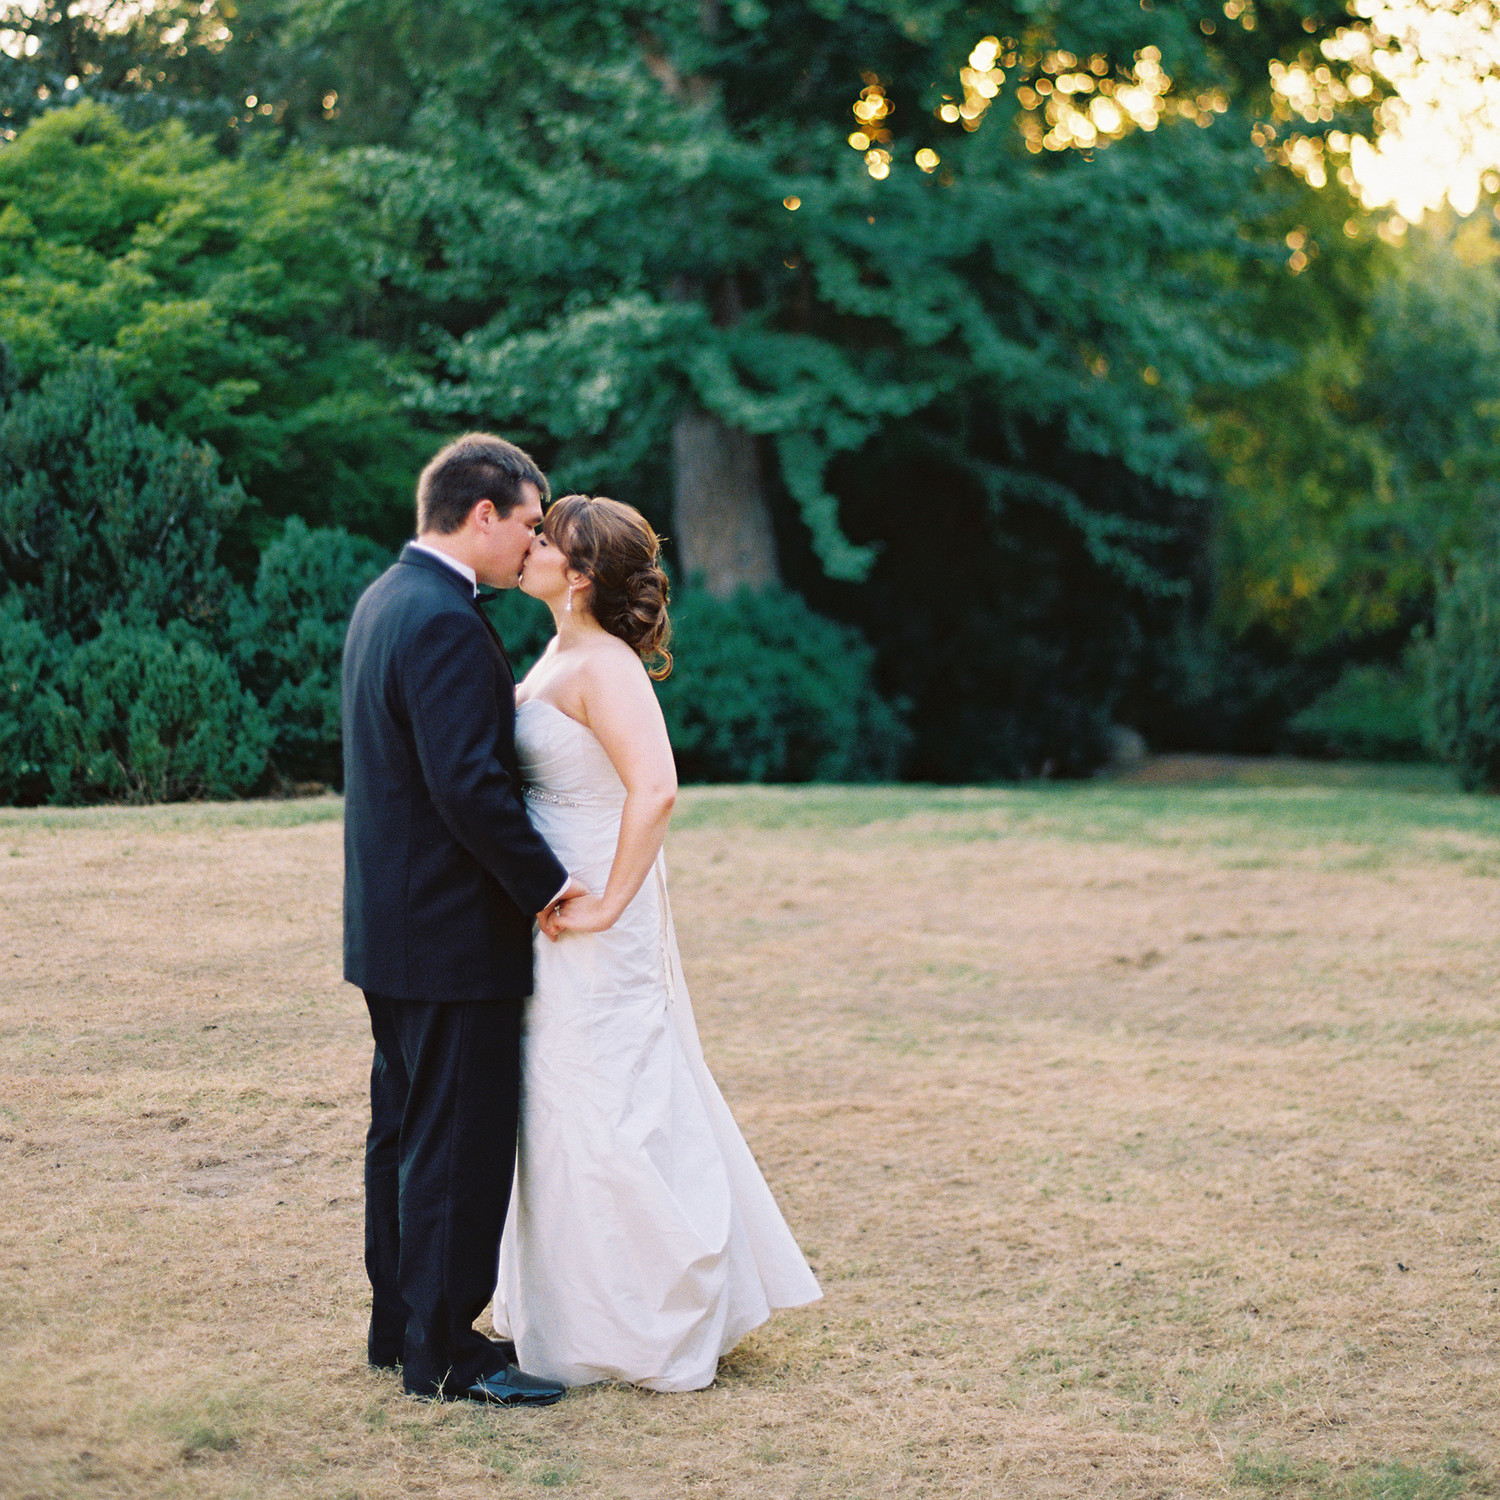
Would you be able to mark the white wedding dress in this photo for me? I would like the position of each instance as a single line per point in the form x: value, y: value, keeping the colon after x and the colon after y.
x: 642, y: 1242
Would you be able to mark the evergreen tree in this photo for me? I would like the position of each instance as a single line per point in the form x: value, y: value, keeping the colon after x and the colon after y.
x: 289, y: 641
x: 115, y: 614
x: 102, y: 514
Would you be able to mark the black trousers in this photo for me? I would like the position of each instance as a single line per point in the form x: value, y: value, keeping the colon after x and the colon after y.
x: 439, y: 1161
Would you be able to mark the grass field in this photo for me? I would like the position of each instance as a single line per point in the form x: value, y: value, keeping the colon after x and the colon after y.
x: 1145, y: 1139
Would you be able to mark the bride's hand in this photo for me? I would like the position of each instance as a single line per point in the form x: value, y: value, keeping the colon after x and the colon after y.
x: 580, y: 914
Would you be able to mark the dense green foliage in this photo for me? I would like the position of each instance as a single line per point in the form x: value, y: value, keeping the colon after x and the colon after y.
x: 289, y: 641
x: 1464, y: 671
x: 151, y: 715
x: 29, y: 663
x: 1353, y: 478
x: 1067, y: 396
x: 127, y: 651
x: 620, y: 215
x: 227, y: 298
x: 765, y: 690
x: 166, y: 60
x: 133, y: 667
x: 114, y: 609
x: 102, y: 513
x: 608, y: 249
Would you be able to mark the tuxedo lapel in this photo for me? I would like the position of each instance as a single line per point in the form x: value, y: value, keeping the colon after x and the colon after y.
x: 495, y: 636
x: 416, y: 557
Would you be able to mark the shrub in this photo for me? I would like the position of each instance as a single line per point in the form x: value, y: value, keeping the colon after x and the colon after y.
x: 1463, y: 671
x: 1373, y: 712
x: 763, y: 689
x: 29, y: 664
x: 115, y: 608
x: 102, y: 514
x: 290, y: 641
x: 152, y: 715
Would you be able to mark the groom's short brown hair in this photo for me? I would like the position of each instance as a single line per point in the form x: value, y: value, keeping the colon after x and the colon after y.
x: 478, y: 466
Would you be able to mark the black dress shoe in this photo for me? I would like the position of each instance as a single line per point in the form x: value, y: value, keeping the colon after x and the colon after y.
x: 513, y: 1387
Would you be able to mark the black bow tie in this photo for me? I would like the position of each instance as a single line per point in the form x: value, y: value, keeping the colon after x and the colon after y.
x: 483, y: 595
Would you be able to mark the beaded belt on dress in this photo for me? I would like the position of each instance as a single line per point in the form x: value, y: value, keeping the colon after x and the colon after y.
x: 555, y: 798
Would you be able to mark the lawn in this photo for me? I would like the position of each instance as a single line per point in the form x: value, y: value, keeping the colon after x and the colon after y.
x: 1145, y: 1140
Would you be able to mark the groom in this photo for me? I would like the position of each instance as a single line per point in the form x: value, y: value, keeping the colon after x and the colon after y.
x: 443, y: 876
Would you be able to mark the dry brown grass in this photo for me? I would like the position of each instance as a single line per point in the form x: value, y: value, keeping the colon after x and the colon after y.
x: 1144, y: 1141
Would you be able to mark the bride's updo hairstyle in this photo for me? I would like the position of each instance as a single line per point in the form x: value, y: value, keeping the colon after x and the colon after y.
x: 614, y: 544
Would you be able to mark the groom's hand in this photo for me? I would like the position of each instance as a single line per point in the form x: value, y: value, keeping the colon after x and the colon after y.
x: 547, y: 920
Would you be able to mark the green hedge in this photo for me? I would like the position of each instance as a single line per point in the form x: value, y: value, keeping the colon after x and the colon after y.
x: 289, y: 642
x: 150, y: 715
x: 101, y: 513
x: 143, y: 713
x: 132, y: 666
x: 763, y: 689
x: 30, y: 661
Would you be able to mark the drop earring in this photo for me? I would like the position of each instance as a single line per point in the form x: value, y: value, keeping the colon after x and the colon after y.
x: 568, y: 607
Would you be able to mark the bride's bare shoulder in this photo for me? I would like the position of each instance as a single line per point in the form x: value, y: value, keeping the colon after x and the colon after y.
x: 613, y: 672
x: 610, y: 655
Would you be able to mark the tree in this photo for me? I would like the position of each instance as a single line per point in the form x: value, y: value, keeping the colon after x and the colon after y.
x: 101, y: 514
x: 651, y: 254
x: 1354, y: 479
x: 649, y: 235
x: 190, y: 60
x: 115, y: 613
x: 289, y: 641
x: 227, y: 297
x: 1464, y: 670
x: 640, y: 242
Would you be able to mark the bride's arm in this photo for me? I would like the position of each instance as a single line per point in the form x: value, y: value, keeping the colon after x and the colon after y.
x: 623, y: 713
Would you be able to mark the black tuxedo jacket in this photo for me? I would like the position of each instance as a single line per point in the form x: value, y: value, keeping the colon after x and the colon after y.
x: 443, y: 871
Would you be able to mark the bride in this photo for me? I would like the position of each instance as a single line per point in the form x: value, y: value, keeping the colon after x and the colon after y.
x: 642, y: 1242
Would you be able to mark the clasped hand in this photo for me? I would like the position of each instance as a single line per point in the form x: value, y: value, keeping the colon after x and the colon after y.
x: 576, y: 914
x: 575, y: 911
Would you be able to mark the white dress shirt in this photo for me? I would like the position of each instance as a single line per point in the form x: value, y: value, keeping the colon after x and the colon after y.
x: 458, y: 567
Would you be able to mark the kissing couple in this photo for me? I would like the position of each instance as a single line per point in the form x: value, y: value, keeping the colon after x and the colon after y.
x: 629, y: 1234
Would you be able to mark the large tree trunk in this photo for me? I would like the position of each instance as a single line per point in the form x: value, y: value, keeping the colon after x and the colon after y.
x: 721, y: 523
